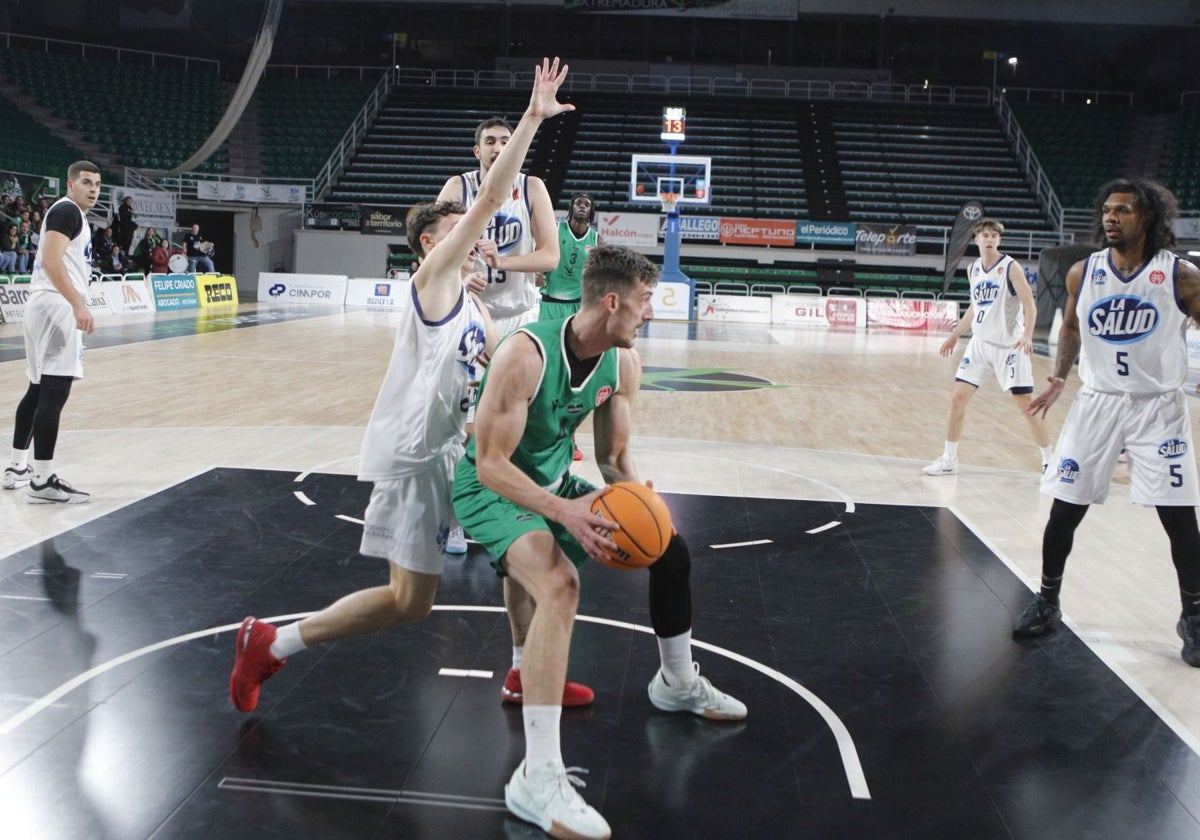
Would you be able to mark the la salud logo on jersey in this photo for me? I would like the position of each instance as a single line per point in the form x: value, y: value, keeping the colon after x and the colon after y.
x: 1157, y: 278
x: 1122, y: 319
x: 602, y: 395
x: 506, y: 231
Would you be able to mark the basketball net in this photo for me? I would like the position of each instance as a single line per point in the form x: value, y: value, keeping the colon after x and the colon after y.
x: 669, y: 200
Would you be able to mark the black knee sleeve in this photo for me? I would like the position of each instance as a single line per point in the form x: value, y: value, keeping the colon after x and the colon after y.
x: 1180, y: 525
x: 1059, y: 537
x: 52, y: 397
x: 26, y: 408
x: 671, y: 590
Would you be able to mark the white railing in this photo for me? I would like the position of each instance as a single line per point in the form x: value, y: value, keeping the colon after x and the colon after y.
x: 1023, y: 149
x: 85, y: 50
x: 354, y: 135
x: 1064, y: 95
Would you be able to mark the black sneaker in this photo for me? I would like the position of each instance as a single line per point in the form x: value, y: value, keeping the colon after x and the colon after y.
x: 55, y: 491
x: 1038, y: 617
x: 1189, y: 630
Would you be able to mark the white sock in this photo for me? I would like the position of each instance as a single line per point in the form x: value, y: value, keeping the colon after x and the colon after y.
x: 518, y: 654
x: 20, y: 458
x: 287, y: 641
x: 542, y: 744
x: 42, y: 470
x: 951, y: 452
x: 676, y: 655
x: 1047, y: 454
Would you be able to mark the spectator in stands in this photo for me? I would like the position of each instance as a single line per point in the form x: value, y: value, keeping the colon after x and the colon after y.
x: 145, y: 249
x: 125, y: 224
x: 8, y: 249
x: 26, y: 248
x: 7, y: 211
x: 199, y: 251
x: 1001, y: 318
x: 116, y: 262
x: 102, y: 245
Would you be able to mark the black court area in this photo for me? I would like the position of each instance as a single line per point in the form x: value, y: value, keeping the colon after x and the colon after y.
x: 886, y: 697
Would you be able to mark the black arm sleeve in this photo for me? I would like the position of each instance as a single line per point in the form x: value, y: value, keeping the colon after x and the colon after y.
x: 64, y: 219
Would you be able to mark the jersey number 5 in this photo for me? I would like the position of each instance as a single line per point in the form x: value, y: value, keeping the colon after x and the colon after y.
x: 1122, y: 363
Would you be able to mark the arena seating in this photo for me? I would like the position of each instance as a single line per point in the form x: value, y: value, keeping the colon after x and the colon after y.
x: 150, y: 117
x: 1074, y: 142
x: 303, y: 120
x: 1181, y: 171
x: 918, y: 163
x: 28, y: 146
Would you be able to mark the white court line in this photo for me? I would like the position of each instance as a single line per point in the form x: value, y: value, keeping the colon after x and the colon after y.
x: 407, y: 797
x: 742, y: 544
x: 346, y: 518
x: 824, y: 527
x: 845, y: 742
x: 24, y: 597
x: 299, y: 494
x: 460, y: 672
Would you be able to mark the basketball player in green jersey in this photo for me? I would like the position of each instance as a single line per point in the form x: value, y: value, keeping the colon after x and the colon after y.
x: 514, y: 494
x: 576, y: 239
x: 563, y: 286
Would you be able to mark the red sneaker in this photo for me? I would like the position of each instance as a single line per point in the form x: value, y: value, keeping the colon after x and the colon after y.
x: 577, y: 455
x: 254, y: 663
x: 574, y: 694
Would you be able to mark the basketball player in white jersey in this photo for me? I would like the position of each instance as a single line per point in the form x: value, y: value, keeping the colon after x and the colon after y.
x: 1001, y: 318
x: 56, y: 318
x: 1125, y: 318
x: 520, y: 241
x: 414, y: 436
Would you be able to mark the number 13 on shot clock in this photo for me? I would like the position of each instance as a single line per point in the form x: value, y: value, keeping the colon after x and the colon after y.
x: 674, y: 124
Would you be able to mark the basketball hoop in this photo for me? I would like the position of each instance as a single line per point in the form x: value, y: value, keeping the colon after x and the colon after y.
x: 669, y: 200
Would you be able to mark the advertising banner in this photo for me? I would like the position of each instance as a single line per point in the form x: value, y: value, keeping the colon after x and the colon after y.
x: 633, y: 230
x: 910, y: 314
x: 252, y: 193
x: 672, y: 301
x: 95, y: 296
x: 376, y: 294
x: 278, y: 287
x: 128, y: 296
x: 960, y: 237
x: 151, y: 208
x: 747, y: 310
x: 886, y: 240
x: 758, y: 232
x: 13, y: 297
x: 332, y: 217
x: 824, y: 233
x: 694, y: 228
x: 816, y: 311
x: 174, y: 291
x: 216, y: 290
x: 382, y: 221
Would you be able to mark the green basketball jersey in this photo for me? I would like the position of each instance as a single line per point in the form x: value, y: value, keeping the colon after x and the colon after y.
x: 565, y: 283
x: 557, y: 409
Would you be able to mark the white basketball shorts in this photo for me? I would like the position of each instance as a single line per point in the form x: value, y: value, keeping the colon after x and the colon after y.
x: 1011, y: 367
x: 53, y: 344
x: 1154, y: 430
x: 408, y: 518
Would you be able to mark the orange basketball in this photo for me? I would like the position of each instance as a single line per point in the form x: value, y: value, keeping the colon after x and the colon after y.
x: 645, y: 524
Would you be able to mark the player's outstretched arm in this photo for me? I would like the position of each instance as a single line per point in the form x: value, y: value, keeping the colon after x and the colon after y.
x: 1069, y: 344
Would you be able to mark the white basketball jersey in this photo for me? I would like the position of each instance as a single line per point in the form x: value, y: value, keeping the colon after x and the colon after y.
x: 1132, y: 328
x: 421, y: 411
x: 998, y: 315
x: 508, y: 293
x: 77, y: 259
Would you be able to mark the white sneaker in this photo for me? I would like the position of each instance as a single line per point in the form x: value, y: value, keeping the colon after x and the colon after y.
x: 55, y: 491
x: 700, y: 698
x: 942, y: 466
x: 15, y: 477
x: 456, y: 541
x: 547, y: 798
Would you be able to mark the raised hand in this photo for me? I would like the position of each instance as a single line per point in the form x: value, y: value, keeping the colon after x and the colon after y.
x: 547, y: 79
